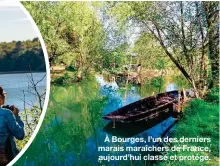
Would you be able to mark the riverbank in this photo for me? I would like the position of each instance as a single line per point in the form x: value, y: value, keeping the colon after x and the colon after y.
x: 200, y: 119
x: 61, y: 75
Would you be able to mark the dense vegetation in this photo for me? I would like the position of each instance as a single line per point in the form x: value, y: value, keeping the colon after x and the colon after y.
x: 21, y: 56
x: 107, y: 35
x: 84, y: 36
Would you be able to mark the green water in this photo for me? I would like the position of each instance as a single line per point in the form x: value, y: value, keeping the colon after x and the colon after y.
x: 73, y: 127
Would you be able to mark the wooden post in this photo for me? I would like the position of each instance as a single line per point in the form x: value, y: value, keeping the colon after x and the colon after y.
x: 184, y: 95
x: 126, y: 85
x: 139, y: 69
x: 179, y: 103
x: 179, y: 95
x: 113, y: 124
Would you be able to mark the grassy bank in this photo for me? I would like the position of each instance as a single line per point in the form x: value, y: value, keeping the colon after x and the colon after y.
x: 201, y: 119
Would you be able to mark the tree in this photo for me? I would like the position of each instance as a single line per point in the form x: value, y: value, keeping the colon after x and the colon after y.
x: 18, y: 55
x: 211, y: 12
x: 72, y: 32
x: 181, y: 32
x: 48, y: 16
x: 146, y: 47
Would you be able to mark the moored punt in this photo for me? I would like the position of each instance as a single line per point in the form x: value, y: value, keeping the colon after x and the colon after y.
x: 145, y: 109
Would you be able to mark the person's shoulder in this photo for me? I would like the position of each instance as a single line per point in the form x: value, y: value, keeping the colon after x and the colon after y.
x: 5, y: 111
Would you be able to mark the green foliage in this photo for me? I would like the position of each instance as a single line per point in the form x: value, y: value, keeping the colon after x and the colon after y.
x: 195, y: 124
x: 72, y: 32
x: 157, y: 82
x: 83, y: 36
x: 115, y: 58
x: 30, y: 117
x: 161, y: 34
x: 17, y: 56
x: 146, y: 47
x: 213, y: 95
x: 70, y: 68
x: 65, y: 79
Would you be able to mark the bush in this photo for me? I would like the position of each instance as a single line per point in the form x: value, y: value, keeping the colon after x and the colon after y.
x: 63, y: 79
x: 158, y: 82
x: 30, y: 118
x: 213, y: 96
x: 70, y: 68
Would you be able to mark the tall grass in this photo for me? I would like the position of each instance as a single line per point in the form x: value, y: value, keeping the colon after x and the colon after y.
x: 201, y: 119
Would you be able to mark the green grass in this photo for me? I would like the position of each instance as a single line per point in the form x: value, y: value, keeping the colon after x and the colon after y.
x: 201, y: 119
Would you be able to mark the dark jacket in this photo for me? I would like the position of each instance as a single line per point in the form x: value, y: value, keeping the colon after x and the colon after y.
x: 10, y: 127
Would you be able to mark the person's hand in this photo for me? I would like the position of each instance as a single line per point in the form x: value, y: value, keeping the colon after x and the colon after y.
x: 15, y: 110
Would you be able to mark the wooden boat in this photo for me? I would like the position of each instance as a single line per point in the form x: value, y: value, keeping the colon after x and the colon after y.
x: 144, y: 109
x: 132, y: 129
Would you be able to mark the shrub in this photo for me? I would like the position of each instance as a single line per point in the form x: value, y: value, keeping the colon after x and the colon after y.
x: 213, y: 96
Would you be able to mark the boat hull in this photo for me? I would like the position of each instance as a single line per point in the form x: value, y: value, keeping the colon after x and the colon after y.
x: 145, y: 109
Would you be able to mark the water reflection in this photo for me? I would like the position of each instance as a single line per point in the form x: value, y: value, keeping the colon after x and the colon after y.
x: 132, y: 129
x: 73, y: 127
x: 155, y: 128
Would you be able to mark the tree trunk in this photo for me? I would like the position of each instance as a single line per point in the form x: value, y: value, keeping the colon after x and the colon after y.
x: 211, y: 13
x: 178, y: 65
x: 203, y: 69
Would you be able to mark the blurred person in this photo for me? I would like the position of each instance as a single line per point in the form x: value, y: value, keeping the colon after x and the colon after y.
x: 11, y: 126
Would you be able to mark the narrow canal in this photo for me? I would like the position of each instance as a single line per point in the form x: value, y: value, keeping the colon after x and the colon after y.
x: 76, y: 111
